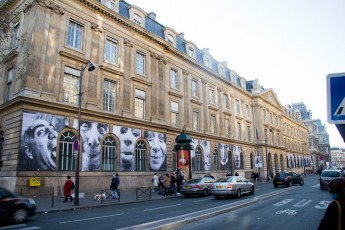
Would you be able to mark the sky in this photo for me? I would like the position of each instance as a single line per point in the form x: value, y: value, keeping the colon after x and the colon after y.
x: 289, y: 46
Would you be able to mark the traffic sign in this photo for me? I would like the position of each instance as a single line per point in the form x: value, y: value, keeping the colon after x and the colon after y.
x: 336, y: 98
x: 76, y: 145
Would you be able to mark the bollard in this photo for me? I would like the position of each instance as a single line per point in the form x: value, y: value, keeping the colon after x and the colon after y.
x: 53, y: 197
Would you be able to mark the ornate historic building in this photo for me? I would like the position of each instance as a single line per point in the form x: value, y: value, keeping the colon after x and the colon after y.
x: 317, y: 136
x: 138, y: 84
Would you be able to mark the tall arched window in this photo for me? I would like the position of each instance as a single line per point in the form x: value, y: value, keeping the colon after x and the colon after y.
x: 66, y: 157
x: 140, y: 156
x: 241, y: 161
x: 216, y: 160
x: 198, y: 159
x: 251, y: 161
x: 109, y: 154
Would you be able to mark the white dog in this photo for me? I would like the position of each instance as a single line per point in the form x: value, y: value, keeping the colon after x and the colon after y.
x: 100, y: 197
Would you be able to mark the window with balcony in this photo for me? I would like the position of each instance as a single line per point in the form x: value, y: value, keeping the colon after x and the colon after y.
x: 227, y: 126
x: 213, y: 124
x: 109, y: 95
x: 196, y: 120
x: 239, y: 131
x: 15, y: 38
x: 225, y: 101
x: 174, y: 114
x: 71, y: 85
x: 211, y: 96
x: 139, y: 103
x: 237, y: 106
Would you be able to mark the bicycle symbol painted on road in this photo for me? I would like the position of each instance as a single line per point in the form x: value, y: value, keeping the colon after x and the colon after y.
x: 287, y: 211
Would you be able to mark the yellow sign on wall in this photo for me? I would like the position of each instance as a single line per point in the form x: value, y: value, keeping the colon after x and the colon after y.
x: 34, y: 181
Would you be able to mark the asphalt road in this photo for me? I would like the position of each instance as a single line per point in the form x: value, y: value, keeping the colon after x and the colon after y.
x: 258, y: 211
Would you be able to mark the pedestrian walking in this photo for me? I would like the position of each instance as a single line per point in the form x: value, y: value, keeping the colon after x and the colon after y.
x: 167, y: 181
x: 114, y: 186
x: 69, y: 185
x: 172, y: 183
x: 253, y: 177
x: 258, y: 176
x: 334, y: 218
x: 155, y: 182
x: 160, y: 185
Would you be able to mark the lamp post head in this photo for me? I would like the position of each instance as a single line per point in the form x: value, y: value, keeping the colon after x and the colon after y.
x: 91, y: 67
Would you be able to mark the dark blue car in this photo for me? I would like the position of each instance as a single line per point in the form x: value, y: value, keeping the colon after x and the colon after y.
x: 287, y: 179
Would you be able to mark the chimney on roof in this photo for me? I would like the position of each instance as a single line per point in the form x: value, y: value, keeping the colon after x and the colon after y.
x: 182, y: 35
x: 152, y: 15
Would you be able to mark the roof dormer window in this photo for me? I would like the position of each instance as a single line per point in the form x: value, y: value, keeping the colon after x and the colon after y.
x: 171, y: 39
x: 191, y: 52
x: 207, y: 62
x: 190, y: 49
x: 137, y: 15
x: 170, y: 36
x: 137, y: 19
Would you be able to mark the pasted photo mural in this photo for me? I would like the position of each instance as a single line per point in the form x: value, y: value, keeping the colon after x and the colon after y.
x: 38, y: 141
x: 91, y: 134
x: 205, y: 146
x: 158, y: 150
x: 224, y: 155
x: 237, y: 156
x: 127, y: 137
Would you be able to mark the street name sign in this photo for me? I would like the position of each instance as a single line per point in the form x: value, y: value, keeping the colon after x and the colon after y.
x: 336, y: 98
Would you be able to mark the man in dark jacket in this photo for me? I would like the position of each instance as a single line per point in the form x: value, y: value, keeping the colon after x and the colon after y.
x: 115, y: 182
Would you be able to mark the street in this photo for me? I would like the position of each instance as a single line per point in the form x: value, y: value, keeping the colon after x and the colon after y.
x: 284, y: 208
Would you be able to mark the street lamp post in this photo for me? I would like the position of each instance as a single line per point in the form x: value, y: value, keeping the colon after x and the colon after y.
x: 76, y: 189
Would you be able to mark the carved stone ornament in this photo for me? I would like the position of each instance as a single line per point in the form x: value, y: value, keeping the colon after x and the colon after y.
x: 185, y: 72
x: 95, y: 27
x: 127, y: 42
x: 46, y: 3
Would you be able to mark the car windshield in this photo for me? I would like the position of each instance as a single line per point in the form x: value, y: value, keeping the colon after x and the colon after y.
x: 193, y: 181
x: 281, y: 174
x: 225, y: 179
x: 330, y: 174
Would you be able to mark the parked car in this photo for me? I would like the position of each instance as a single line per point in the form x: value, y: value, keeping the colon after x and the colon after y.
x: 200, y: 186
x: 15, y: 208
x: 232, y: 186
x: 287, y: 179
x: 328, y: 175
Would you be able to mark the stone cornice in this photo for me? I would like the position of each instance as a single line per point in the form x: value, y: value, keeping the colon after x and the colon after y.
x: 196, y: 102
x: 72, y: 56
x: 102, y: 67
x: 171, y: 93
x: 141, y: 81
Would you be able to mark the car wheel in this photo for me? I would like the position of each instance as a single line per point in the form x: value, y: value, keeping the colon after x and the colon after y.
x: 321, y: 187
x: 216, y: 197
x: 205, y: 192
x: 289, y: 184
x: 252, y: 190
x: 275, y: 185
x: 19, y: 215
x: 301, y: 182
x: 238, y: 193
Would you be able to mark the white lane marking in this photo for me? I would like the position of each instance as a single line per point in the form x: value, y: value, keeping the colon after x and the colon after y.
x: 13, y: 226
x: 323, y: 204
x: 93, y: 218
x: 317, y: 185
x: 150, y: 209
x: 302, y: 203
x: 206, y: 199
x: 29, y: 228
x: 281, y: 203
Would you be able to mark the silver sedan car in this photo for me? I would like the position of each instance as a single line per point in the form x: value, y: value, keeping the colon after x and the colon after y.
x: 232, y: 186
x: 200, y: 186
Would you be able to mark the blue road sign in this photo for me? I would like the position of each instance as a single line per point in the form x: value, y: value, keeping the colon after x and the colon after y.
x: 336, y: 98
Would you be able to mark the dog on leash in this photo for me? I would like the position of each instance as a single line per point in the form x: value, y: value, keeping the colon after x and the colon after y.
x: 100, y: 197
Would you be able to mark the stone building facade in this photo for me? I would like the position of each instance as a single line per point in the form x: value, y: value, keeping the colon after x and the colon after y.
x: 147, y: 85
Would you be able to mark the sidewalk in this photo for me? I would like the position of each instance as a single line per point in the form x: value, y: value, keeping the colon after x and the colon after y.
x: 46, y: 204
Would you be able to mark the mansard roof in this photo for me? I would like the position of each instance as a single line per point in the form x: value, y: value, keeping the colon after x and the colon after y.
x: 158, y: 29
